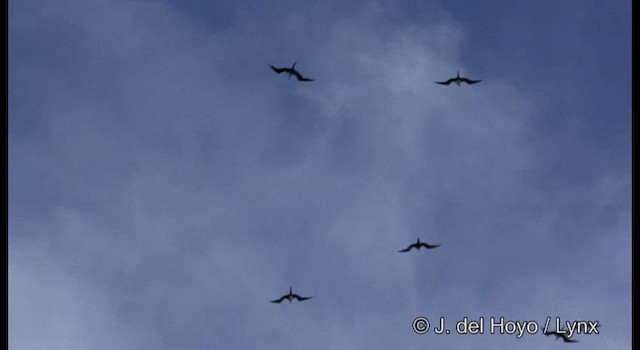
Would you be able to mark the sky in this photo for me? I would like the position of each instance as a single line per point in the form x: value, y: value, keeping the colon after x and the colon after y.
x: 165, y: 184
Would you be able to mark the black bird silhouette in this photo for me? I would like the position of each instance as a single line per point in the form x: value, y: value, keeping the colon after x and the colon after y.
x: 564, y: 336
x: 418, y: 245
x: 290, y: 297
x: 290, y: 71
x: 458, y: 79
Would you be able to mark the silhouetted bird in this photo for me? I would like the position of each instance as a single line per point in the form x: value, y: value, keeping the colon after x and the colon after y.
x: 559, y: 335
x: 458, y: 79
x: 290, y: 297
x: 290, y: 71
x: 419, y: 245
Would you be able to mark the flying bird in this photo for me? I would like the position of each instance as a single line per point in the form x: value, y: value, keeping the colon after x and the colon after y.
x: 290, y: 71
x: 419, y: 245
x: 559, y: 335
x: 458, y: 79
x: 290, y: 297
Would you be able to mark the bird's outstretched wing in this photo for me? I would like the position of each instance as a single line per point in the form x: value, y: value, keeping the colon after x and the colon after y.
x: 568, y: 340
x: 469, y: 81
x: 406, y: 249
x: 278, y: 301
x: 563, y: 336
x: 430, y: 246
x: 300, y: 77
x: 299, y: 298
x: 444, y: 82
x: 278, y: 70
x: 556, y: 333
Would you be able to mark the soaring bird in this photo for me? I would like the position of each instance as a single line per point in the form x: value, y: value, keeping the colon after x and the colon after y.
x: 290, y: 297
x: 563, y: 335
x: 418, y: 245
x: 290, y: 71
x: 458, y: 79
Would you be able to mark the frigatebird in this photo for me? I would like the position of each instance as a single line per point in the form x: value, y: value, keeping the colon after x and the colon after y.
x: 458, y: 79
x: 290, y: 71
x: 290, y: 297
x: 418, y: 245
x: 559, y: 335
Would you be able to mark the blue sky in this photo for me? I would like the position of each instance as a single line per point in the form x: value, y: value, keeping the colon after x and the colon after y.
x: 165, y: 184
